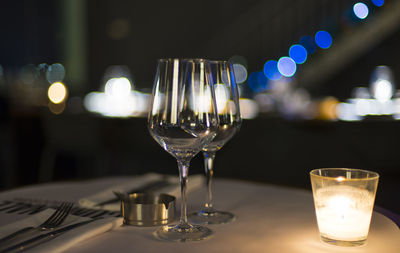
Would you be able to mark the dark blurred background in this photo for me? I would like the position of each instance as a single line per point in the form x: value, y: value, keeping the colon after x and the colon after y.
x: 317, y: 82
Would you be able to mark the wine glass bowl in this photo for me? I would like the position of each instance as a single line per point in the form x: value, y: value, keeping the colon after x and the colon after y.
x: 183, y: 119
x: 227, y: 102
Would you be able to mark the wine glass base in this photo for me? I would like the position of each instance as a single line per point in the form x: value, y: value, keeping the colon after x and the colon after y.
x: 211, y: 217
x: 183, y: 233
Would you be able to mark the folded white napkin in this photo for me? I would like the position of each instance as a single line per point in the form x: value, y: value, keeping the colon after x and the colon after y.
x: 67, y: 239
x: 195, y: 181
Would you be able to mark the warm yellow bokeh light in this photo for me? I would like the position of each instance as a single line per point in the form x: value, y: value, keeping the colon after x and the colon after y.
x: 327, y: 108
x: 57, y: 92
x: 56, y: 108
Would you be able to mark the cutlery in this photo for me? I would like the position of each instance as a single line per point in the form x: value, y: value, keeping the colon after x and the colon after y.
x: 13, y: 205
x: 5, y: 202
x: 56, y: 219
x: 149, y: 187
x: 32, y: 206
x: 43, y: 238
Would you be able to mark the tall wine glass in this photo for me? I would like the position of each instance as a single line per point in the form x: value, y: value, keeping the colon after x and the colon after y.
x: 227, y: 100
x: 183, y: 119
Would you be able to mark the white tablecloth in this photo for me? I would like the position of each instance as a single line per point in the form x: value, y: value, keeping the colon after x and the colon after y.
x: 269, y: 219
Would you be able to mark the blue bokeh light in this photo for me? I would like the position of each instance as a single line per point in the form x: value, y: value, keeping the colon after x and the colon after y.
x: 298, y: 53
x: 287, y: 66
x: 308, y: 43
x: 323, y: 39
x: 378, y: 3
x: 271, y: 70
x: 361, y: 10
x: 257, y: 81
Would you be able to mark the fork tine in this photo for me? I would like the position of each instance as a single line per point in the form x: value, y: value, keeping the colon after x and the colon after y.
x: 54, y: 215
x: 60, y: 219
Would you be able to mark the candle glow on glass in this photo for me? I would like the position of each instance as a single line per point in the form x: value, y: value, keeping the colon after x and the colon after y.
x: 344, y: 212
x: 344, y: 200
x: 340, y: 179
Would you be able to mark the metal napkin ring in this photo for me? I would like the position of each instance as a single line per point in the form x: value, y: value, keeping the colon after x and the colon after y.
x: 147, y: 209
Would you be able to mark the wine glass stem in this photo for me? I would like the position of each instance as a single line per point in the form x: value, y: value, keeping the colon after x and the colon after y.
x: 209, y: 169
x: 183, y: 176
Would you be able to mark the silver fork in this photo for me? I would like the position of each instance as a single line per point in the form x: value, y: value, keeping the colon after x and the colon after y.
x: 56, y: 219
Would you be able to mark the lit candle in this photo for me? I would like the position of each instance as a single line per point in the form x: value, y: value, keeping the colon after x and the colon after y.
x: 344, y: 200
x: 344, y: 212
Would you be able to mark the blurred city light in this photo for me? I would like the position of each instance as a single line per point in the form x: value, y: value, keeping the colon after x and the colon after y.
x: 360, y: 10
x: 286, y: 66
x: 248, y: 108
x: 221, y: 97
x: 363, y: 107
x: 323, y: 39
x: 271, y: 70
x: 240, y: 72
x: 298, y: 53
x: 361, y: 92
x: 378, y: 3
x: 265, y: 102
x: 134, y: 104
x: 382, y: 90
x: 257, y: 81
x: 382, y: 83
x: 308, y: 43
x: 28, y: 74
x: 238, y: 59
x: 55, y: 73
x: 328, y: 108
x: 118, y: 87
x: 57, y: 93
x: 57, y: 108
x: 346, y: 112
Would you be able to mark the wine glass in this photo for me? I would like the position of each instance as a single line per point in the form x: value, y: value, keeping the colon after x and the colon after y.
x: 183, y: 119
x: 227, y: 101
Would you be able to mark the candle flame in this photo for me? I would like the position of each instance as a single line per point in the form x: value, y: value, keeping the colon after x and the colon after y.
x: 340, y: 179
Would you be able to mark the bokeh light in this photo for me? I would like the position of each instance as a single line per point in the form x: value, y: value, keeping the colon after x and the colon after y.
x: 362, y: 106
x: 55, y: 73
x: 298, y: 53
x: 257, y: 81
x: 119, y: 87
x: 238, y: 59
x: 135, y: 104
x: 323, y: 39
x: 56, y: 108
x: 221, y: 97
x: 361, y: 92
x: 378, y: 3
x: 308, y: 43
x: 382, y: 90
x: 346, y: 112
x: 360, y: 10
x: 327, y: 108
x: 271, y: 70
x: 286, y: 66
x: 28, y: 74
x: 240, y: 73
x: 248, y: 108
x: 57, y: 93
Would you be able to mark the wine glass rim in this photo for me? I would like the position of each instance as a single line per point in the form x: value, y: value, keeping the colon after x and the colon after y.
x: 219, y: 61
x: 183, y: 59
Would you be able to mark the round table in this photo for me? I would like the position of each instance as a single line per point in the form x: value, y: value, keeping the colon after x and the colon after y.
x: 269, y: 219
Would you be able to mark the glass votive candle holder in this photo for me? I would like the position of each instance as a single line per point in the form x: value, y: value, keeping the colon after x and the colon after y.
x: 344, y: 200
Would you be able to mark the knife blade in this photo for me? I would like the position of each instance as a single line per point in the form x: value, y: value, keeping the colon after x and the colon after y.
x: 30, y: 243
x: 149, y: 187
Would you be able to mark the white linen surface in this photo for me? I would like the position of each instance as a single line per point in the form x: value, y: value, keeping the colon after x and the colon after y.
x: 69, y: 238
x: 195, y: 182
